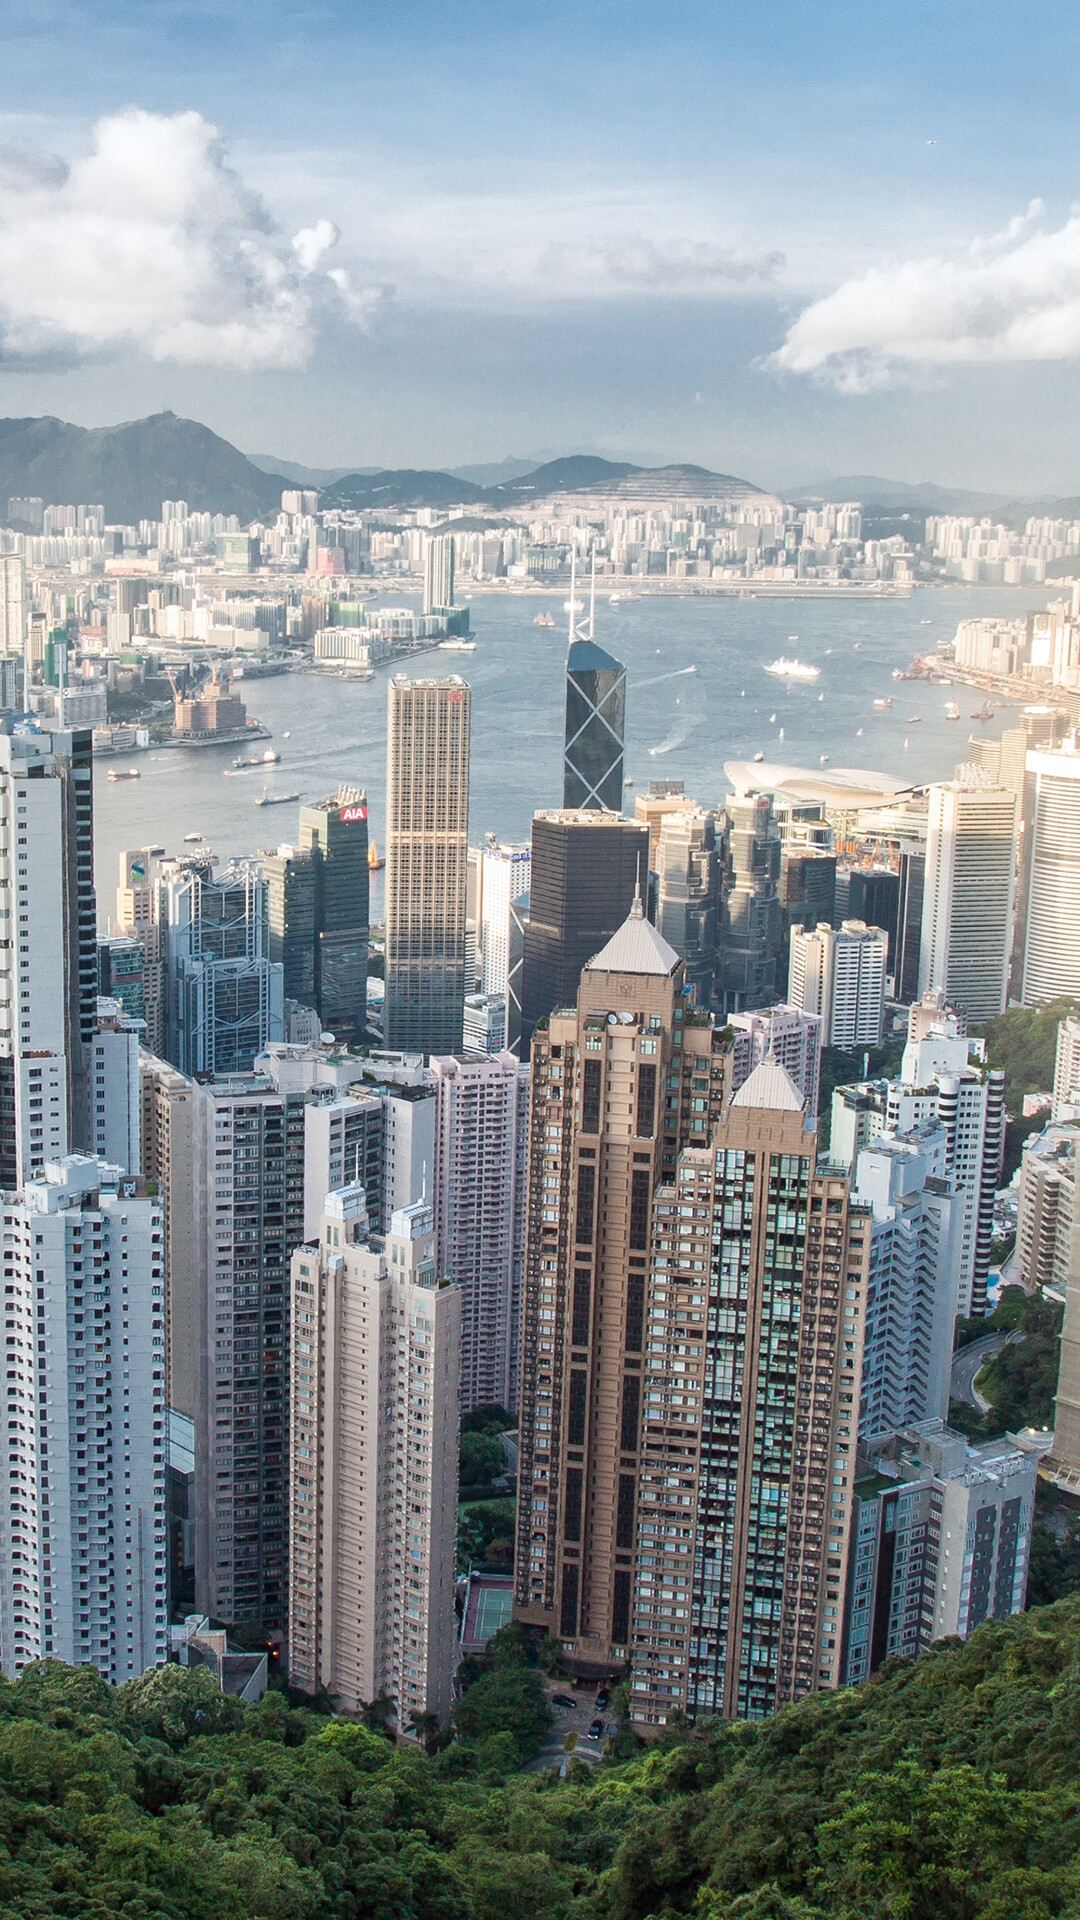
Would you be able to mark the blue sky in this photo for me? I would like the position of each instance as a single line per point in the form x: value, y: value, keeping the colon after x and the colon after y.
x: 558, y: 227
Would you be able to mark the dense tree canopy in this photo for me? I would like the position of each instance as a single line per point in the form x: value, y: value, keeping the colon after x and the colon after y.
x: 943, y: 1790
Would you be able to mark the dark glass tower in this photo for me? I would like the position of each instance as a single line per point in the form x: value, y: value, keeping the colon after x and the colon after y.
x: 585, y: 868
x: 336, y: 829
x: 595, y: 721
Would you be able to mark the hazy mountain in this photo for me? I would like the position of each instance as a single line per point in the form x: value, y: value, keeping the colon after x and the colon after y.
x: 897, y: 496
x: 576, y: 473
x: 132, y: 468
x: 299, y: 476
x: 402, y: 487
x: 493, y: 473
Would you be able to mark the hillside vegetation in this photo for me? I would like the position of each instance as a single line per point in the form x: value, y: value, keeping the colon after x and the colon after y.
x: 944, y: 1790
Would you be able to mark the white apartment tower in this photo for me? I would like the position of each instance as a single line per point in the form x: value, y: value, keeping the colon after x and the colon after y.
x: 1048, y: 941
x: 790, y: 1035
x: 838, y: 973
x: 968, y: 900
x: 12, y: 603
x: 1067, y: 1070
x: 82, y: 1499
x: 504, y: 876
x: 373, y: 1463
x: 481, y: 1123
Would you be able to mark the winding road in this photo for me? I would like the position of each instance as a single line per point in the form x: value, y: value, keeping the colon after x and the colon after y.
x: 971, y: 1359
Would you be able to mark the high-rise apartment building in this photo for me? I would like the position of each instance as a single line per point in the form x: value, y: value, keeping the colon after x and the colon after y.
x: 49, y: 969
x: 942, y: 1537
x: 224, y: 997
x: 1048, y: 919
x: 248, y: 1216
x: 1046, y: 1207
x: 373, y: 1463
x: 755, y: 1311
x: 751, y: 942
x: 336, y: 832
x: 504, y: 878
x: 427, y: 801
x: 167, y: 1100
x: 439, y: 573
x: 115, y: 1124
x: 481, y: 1111
x: 967, y: 923
x: 838, y: 973
x: 1067, y: 1069
x: 585, y: 869
x: 82, y: 1498
x: 12, y: 604
x: 689, y: 908
x: 791, y: 1036
x: 618, y: 1084
x: 595, y: 725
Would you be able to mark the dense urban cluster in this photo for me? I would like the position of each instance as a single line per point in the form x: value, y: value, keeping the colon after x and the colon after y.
x: 287, y: 1195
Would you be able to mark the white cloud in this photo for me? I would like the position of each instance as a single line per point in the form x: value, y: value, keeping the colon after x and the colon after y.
x: 152, y: 241
x: 645, y: 263
x: 1014, y: 297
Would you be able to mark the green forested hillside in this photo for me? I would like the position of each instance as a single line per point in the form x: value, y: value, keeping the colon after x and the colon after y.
x: 947, y: 1790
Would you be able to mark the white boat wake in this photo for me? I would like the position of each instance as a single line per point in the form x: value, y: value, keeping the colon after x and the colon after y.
x: 676, y: 674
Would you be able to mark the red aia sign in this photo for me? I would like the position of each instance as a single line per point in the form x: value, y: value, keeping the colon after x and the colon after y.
x: 353, y: 813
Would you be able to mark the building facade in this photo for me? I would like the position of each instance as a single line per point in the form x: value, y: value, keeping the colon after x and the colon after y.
x: 595, y: 725
x: 791, y: 1036
x: 335, y: 831
x: 585, y: 869
x: 427, y: 790
x: 1048, y: 922
x: 224, y: 994
x: 838, y: 973
x: 752, y: 917
x: 689, y: 895
x: 967, y: 926
x: 504, y: 878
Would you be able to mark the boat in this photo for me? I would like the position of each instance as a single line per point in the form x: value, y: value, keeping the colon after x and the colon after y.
x: 985, y: 712
x: 772, y: 719
x: 780, y: 735
x: 375, y: 864
x: 267, y: 759
x: 858, y: 733
x: 190, y: 838
x: 629, y: 781
x: 274, y: 799
x: 857, y: 647
x: 952, y: 711
x: 544, y: 620
x: 884, y: 703
x: 758, y: 757
x: 824, y: 759
x: 914, y: 719
x: 792, y: 669
x: 457, y: 646
x: 129, y: 773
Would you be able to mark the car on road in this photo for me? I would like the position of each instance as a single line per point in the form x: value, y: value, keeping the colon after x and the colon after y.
x: 596, y: 1729
x: 563, y: 1700
x: 602, y: 1699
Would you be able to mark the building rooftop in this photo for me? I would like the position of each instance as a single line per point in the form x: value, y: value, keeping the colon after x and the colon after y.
x: 635, y: 948
x: 770, y: 1085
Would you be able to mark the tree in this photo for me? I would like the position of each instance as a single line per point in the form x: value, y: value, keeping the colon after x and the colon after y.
x: 175, y: 1702
x: 481, y: 1459
x: 510, y: 1699
x: 547, y: 1657
x: 379, y: 1713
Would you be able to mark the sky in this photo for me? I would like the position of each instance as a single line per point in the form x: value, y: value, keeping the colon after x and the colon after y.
x: 789, y: 242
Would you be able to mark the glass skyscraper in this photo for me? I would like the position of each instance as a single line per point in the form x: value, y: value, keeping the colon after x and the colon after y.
x: 595, y: 723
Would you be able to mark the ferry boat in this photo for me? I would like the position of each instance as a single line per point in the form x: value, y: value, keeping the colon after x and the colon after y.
x: 792, y: 669
x: 274, y: 799
x: 985, y: 712
x: 376, y: 865
x: 457, y: 646
x: 267, y: 759
x: 544, y: 620
x: 884, y: 703
x: 128, y: 773
x: 952, y: 711
x: 191, y: 838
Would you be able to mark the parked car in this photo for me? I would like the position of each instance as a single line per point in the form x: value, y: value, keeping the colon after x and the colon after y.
x: 596, y: 1729
x: 562, y: 1700
x: 602, y: 1699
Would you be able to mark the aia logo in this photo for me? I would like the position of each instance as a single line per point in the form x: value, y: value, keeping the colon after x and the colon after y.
x: 353, y: 813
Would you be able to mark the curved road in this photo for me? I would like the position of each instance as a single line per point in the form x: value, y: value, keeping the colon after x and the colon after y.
x: 971, y: 1359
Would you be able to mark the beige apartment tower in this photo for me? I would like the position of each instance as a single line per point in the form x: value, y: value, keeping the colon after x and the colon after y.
x: 167, y: 1111
x: 427, y: 852
x: 373, y: 1463
x: 618, y: 1086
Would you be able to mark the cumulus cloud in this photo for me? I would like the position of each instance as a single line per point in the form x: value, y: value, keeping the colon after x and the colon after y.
x: 152, y: 241
x: 645, y: 263
x: 1012, y: 297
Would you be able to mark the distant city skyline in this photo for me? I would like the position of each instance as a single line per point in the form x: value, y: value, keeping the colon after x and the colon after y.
x: 837, y: 265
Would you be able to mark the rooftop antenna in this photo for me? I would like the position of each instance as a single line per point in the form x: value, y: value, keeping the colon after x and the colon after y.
x: 592, y: 594
x: 573, y: 596
x: 637, y: 911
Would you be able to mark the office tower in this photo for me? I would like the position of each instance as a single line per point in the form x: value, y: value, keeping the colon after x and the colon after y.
x: 689, y: 863
x: 481, y: 1111
x: 373, y: 1463
x: 439, y: 573
x: 874, y: 897
x: 515, y: 972
x: 919, y: 1490
x: 595, y: 725
x: 290, y: 912
x: 427, y: 806
x: 751, y: 935
x: 483, y: 1027
x: 248, y: 1216
x: 663, y: 798
x: 917, y: 1216
x: 49, y: 1010
x: 82, y: 1502
x: 224, y: 993
x: 756, y: 1299
x: 618, y: 1084
x: 167, y: 1101
x: 585, y: 868
x: 1067, y: 1070
x: 839, y: 974
x: 807, y: 885
x: 336, y: 831
x: 12, y: 604
x: 1046, y: 1207
x: 122, y: 974
x: 968, y: 902
x: 115, y: 1122
x: 792, y: 1037
x: 504, y: 877
x: 1048, y: 920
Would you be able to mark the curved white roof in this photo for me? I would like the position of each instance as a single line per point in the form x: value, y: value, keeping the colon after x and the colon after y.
x: 835, y: 786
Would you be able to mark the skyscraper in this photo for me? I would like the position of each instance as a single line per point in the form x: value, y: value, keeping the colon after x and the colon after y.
x: 751, y: 944
x: 968, y: 901
x: 585, y: 868
x: 792, y: 1036
x: 481, y: 1107
x: 504, y: 877
x: 82, y: 1495
x: 838, y: 973
x: 373, y: 1463
x: 49, y: 1012
x: 1048, y: 920
x: 595, y: 724
x: 618, y: 1084
x: 427, y: 794
x: 439, y: 573
x: 336, y: 831
x: 1067, y: 1068
x: 689, y: 862
x: 12, y: 604
x: 224, y: 993
x: 290, y: 911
